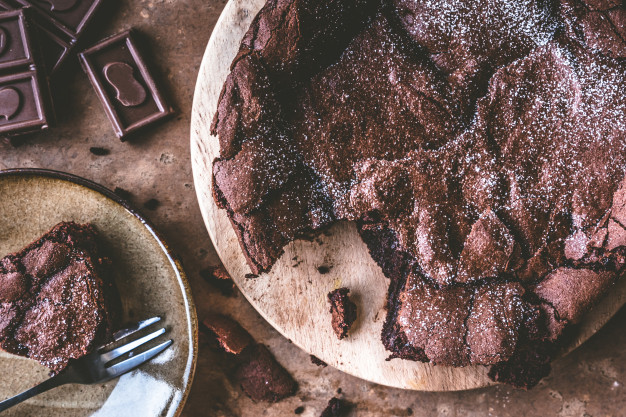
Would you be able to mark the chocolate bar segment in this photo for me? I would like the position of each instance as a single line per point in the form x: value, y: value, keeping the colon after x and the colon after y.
x: 15, y: 43
x: 54, y: 49
x: 70, y: 16
x: 55, y: 45
x: 124, y: 84
x: 4, y: 6
x: 24, y: 105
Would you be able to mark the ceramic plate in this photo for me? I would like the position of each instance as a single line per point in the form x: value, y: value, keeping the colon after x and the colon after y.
x: 150, y: 281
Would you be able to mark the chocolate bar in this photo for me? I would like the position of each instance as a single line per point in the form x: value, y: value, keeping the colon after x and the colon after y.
x: 55, y: 50
x: 15, y: 41
x: 56, y: 43
x: 25, y: 103
x: 24, y: 106
x: 124, y: 84
x: 70, y: 16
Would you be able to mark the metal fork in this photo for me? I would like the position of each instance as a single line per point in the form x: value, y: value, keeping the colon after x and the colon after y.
x: 95, y: 367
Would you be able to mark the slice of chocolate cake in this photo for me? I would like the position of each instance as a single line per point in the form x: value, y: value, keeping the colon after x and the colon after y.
x: 57, y: 297
x: 479, y: 145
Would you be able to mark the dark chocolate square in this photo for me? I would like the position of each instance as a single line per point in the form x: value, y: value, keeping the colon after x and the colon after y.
x: 23, y: 103
x: 15, y: 43
x: 124, y: 84
x: 54, y: 49
x: 71, y: 16
x: 56, y: 46
x: 4, y: 6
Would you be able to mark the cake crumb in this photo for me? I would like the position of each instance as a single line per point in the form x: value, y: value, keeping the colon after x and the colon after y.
x: 218, y: 277
x: 99, y: 151
x: 317, y: 361
x: 229, y: 334
x: 343, y: 311
x: 152, y: 204
x: 262, y: 378
x: 323, y: 269
x: 336, y: 408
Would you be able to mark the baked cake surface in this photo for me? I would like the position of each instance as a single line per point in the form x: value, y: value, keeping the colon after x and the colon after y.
x: 57, y: 298
x: 480, y: 146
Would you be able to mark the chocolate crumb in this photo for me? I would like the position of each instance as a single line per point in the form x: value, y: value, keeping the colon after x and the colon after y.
x: 299, y: 410
x: 251, y: 276
x: 152, y: 204
x: 262, y: 378
x: 336, y: 408
x: 339, y: 391
x: 126, y: 195
x: 409, y: 411
x: 218, y: 277
x: 99, y: 151
x: 229, y: 334
x: 317, y: 361
x: 343, y: 311
x: 323, y: 269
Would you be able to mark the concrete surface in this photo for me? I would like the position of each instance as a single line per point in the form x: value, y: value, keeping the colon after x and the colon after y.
x: 156, y: 164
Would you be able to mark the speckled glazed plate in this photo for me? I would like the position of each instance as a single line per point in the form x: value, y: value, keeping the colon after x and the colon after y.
x: 150, y: 281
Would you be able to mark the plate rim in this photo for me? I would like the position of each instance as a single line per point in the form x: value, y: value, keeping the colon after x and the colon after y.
x: 172, y: 257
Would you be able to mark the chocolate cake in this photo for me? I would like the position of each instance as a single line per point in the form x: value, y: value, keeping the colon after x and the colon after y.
x: 257, y: 371
x: 479, y: 146
x: 57, y: 297
x: 229, y: 334
x: 261, y: 377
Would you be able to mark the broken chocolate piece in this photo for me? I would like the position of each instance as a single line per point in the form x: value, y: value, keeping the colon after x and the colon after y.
x: 262, y: 378
x: 343, y: 311
x: 55, y: 49
x: 70, y: 16
x: 124, y: 84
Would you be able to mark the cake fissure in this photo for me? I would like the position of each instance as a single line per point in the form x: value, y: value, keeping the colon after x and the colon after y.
x: 57, y: 297
x: 480, y: 147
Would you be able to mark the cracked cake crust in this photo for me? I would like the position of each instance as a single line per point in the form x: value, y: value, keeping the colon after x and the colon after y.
x: 483, y: 159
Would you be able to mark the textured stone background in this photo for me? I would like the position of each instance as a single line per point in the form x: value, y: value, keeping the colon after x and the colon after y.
x: 156, y: 164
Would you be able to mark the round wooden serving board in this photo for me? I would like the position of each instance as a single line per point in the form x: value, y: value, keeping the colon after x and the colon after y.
x: 292, y: 297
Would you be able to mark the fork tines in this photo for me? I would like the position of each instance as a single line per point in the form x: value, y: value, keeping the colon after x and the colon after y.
x: 134, y: 359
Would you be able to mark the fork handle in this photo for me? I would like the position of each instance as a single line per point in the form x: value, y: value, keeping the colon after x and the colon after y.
x: 46, y: 385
